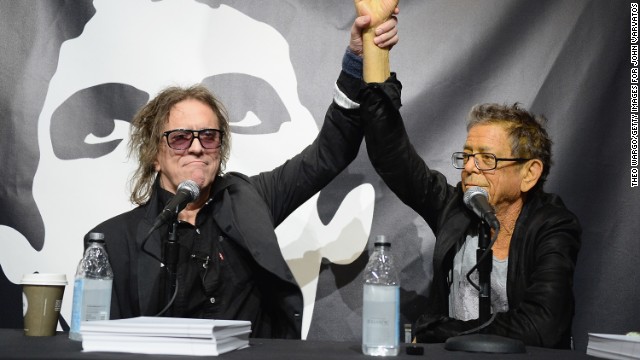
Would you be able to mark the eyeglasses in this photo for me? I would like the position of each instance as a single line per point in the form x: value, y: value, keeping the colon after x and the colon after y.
x: 483, y: 161
x: 181, y: 139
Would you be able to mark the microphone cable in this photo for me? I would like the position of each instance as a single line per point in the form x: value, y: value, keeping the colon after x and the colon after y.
x: 483, y: 257
x: 477, y: 287
x: 175, y: 292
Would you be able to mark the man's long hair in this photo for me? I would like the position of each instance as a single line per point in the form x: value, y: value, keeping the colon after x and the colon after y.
x: 147, y: 128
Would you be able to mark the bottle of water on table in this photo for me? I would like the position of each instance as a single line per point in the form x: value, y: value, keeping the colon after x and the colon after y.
x: 381, y: 303
x: 92, y: 286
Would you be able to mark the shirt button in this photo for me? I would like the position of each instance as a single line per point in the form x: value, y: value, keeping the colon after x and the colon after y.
x: 212, y: 300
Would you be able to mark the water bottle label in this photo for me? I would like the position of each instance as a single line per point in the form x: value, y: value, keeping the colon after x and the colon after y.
x: 91, y: 301
x: 96, y: 303
x: 380, y: 316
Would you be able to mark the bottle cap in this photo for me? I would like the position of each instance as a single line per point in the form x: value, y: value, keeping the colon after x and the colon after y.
x: 96, y: 237
x: 381, y: 240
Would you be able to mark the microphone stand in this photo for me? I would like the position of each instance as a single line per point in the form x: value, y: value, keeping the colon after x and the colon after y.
x: 482, y: 342
x: 171, y: 253
x: 484, y: 272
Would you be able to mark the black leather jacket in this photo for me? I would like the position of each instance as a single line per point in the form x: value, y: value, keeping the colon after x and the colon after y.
x: 543, y: 250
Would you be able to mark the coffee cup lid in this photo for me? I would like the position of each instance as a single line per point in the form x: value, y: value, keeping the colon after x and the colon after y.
x: 44, y: 279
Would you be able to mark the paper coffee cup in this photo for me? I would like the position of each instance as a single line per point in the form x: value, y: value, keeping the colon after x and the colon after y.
x: 41, y: 302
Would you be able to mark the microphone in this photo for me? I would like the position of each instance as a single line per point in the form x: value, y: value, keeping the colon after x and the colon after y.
x: 477, y: 199
x: 187, y: 192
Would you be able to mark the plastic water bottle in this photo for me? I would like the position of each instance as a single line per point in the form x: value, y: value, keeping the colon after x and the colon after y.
x: 381, y: 303
x: 92, y: 286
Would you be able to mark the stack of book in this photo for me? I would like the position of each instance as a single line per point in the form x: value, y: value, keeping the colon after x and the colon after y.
x: 169, y: 336
x: 611, y: 346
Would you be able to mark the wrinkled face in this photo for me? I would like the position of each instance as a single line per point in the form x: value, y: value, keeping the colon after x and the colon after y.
x: 127, y: 53
x: 195, y: 163
x: 502, y: 183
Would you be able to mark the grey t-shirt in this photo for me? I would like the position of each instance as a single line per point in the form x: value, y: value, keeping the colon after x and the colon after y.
x: 463, y: 299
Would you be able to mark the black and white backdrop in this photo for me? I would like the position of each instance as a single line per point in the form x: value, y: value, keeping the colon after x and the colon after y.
x: 72, y: 73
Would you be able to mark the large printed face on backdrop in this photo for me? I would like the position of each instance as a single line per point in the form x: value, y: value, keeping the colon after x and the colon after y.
x: 129, y: 51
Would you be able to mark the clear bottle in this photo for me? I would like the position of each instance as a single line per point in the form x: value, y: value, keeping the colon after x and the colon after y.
x: 381, y: 303
x: 92, y: 286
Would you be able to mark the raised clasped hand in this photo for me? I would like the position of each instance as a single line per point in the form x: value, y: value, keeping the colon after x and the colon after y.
x: 378, y: 10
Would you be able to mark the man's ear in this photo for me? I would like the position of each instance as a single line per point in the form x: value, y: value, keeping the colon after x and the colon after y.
x: 530, y: 172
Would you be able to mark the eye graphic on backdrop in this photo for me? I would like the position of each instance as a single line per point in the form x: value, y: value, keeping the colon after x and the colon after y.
x: 253, y: 104
x: 83, y: 125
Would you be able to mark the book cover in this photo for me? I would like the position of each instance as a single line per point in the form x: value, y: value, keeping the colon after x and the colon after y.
x: 169, y: 336
x: 612, y: 346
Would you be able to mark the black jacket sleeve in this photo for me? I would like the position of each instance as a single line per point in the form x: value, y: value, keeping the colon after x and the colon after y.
x: 289, y: 185
x: 394, y: 157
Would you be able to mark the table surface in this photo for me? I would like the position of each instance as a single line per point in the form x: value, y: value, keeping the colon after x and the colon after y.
x: 14, y: 345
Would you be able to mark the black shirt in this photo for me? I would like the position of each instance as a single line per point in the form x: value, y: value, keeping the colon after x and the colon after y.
x: 216, y: 277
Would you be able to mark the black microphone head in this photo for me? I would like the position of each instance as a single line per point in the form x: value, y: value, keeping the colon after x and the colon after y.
x: 191, y: 188
x: 474, y: 191
x: 477, y: 200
